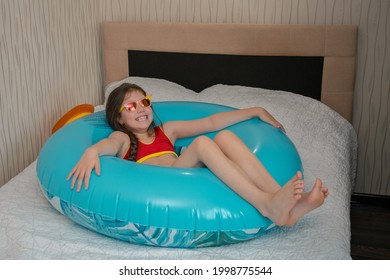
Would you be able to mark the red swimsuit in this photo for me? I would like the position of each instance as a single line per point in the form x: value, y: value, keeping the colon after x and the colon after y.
x: 161, y: 145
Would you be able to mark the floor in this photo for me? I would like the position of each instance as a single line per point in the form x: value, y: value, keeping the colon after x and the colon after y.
x: 370, y: 226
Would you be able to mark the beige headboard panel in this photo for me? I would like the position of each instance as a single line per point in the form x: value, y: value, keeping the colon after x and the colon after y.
x: 337, y: 44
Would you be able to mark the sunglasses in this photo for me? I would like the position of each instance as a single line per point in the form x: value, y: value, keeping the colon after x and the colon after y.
x: 132, y: 106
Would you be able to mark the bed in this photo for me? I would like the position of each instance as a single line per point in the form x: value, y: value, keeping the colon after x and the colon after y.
x: 316, y: 117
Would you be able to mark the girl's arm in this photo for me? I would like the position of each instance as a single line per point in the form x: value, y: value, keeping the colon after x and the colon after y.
x: 113, y: 145
x: 181, y: 129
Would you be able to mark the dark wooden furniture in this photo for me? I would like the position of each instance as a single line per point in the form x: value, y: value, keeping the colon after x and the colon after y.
x: 370, y: 227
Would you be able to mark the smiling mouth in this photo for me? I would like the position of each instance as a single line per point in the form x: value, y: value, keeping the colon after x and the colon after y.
x: 142, y: 118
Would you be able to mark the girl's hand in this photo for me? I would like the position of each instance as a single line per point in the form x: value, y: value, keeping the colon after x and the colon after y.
x: 267, y: 117
x: 82, y: 171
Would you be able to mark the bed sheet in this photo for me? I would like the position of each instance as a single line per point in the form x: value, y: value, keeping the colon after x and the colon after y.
x: 30, y: 228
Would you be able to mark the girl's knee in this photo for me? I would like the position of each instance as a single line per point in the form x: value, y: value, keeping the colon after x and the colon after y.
x: 223, y: 136
x: 202, y: 143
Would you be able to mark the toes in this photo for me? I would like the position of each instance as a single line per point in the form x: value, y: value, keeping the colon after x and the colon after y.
x: 318, y: 183
x: 298, y: 190
x: 299, y: 185
x: 325, y: 191
x: 298, y: 193
x: 297, y: 176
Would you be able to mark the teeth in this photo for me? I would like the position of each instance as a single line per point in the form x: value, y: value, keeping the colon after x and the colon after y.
x: 141, y: 118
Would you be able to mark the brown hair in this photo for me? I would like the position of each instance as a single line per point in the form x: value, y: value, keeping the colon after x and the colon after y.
x: 113, y: 105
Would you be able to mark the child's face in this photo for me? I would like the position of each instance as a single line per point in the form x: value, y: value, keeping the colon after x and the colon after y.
x: 139, y: 119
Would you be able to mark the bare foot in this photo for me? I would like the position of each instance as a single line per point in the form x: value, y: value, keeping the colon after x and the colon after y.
x: 283, y: 201
x: 309, y: 201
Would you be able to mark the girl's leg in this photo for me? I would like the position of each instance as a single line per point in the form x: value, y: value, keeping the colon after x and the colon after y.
x: 233, y: 147
x: 275, y: 205
x: 238, y: 152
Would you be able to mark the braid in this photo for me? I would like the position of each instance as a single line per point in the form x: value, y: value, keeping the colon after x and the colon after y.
x: 133, y: 146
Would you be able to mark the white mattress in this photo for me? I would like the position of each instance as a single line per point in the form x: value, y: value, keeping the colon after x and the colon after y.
x: 30, y: 228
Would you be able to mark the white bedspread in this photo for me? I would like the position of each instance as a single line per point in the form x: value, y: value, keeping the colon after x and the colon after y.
x: 30, y: 228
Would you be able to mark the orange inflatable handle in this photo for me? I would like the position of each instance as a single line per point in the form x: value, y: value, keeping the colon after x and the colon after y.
x: 74, y: 114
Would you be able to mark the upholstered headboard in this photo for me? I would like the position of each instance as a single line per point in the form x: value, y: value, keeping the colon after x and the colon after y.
x: 326, y: 70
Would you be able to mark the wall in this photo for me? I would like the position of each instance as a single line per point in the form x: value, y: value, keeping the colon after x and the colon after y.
x: 50, y: 61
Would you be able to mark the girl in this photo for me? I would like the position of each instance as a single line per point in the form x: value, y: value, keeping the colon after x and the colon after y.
x: 137, y: 138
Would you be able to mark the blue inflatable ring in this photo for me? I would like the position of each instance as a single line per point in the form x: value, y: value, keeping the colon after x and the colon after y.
x: 161, y: 206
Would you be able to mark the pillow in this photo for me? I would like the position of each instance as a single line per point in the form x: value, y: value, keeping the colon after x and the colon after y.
x: 294, y: 111
x: 158, y: 89
x: 276, y: 102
